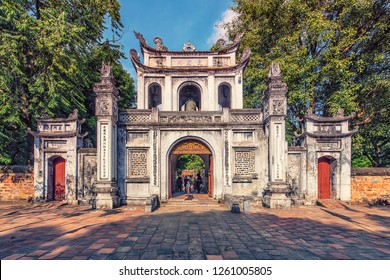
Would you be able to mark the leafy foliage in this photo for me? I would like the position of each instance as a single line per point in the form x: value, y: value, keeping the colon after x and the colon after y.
x: 332, y: 53
x: 190, y: 162
x: 50, y: 57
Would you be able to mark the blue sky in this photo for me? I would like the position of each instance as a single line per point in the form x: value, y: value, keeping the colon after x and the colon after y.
x: 175, y: 21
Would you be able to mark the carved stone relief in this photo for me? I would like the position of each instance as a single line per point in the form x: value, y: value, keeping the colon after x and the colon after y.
x: 154, y: 157
x: 138, y: 165
x: 245, y: 118
x: 189, y: 62
x: 244, y: 162
x: 104, y: 107
x: 227, y: 157
x: 278, y: 107
x: 134, y: 118
x: 104, y: 151
x: 187, y: 119
x: 191, y: 147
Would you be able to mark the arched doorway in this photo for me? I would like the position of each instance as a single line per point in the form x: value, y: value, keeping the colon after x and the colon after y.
x: 223, y: 96
x: 190, y: 92
x: 58, y: 191
x: 191, y: 147
x: 324, y: 178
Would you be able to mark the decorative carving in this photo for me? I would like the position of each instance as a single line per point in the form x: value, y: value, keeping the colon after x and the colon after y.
x: 340, y: 112
x: 274, y: 70
x: 140, y: 37
x: 227, y: 157
x: 191, y: 147
x: 159, y: 44
x: 245, y: 55
x: 277, y: 107
x: 192, y: 62
x: 104, y: 107
x: 134, y: 118
x: 238, y: 38
x: 138, y: 163
x: 244, y: 162
x: 74, y: 115
x: 245, y: 118
x: 189, y: 119
x: 266, y: 109
x: 106, y: 71
x: 221, y: 43
x: 104, y: 151
x: 134, y: 54
x: 155, y: 157
x: 189, y: 47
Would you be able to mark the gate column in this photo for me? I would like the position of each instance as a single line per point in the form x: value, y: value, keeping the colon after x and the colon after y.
x: 106, y: 111
x: 275, y: 107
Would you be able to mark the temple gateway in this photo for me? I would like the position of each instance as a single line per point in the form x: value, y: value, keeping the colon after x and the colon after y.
x: 191, y: 102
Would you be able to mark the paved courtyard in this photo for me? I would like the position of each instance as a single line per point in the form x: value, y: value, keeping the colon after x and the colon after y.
x: 55, y: 231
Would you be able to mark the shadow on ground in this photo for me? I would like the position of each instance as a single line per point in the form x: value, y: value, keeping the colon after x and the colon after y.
x: 72, y: 232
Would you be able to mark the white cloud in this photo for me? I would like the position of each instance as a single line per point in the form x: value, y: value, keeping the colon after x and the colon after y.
x: 218, y: 31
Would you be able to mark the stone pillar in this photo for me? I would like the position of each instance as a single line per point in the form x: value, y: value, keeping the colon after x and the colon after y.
x: 106, y: 111
x: 275, y: 108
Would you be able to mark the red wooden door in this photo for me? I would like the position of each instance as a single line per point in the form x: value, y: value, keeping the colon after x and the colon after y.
x: 170, y: 183
x: 210, y: 179
x: 59, y: 178
x: 323, y: 178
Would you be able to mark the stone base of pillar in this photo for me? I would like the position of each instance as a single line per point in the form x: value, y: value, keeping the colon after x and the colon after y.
x: 106, y: 196
x: 275, y: 196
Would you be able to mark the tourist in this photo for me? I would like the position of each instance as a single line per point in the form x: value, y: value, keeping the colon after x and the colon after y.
x: 179, y: 183
x: 198, y: 182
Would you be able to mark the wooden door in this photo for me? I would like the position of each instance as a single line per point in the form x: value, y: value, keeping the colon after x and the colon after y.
x: 210, y: 179
x: 171, y: 182
x: 59, y: 178
x: 323, y: 178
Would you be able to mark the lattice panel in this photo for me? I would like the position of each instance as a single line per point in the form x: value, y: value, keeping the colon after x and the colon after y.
x: 139, y: 164
x: 134, y: 118
x: 244, y: 162
x: 245, y: 118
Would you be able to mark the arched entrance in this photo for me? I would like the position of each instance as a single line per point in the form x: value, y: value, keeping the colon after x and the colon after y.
x: 190, y: 92
x: 58, y: 191
x: 324, y: 177
x: 191, y: 147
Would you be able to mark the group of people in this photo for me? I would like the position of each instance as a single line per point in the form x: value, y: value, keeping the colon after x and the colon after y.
x: 187, y: 184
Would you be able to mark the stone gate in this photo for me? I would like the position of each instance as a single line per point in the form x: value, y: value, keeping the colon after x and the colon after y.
x: 194, y: 100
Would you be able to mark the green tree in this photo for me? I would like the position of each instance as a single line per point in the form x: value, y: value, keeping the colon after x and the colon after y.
x: 50, y: 56
x: 190, y: 162
x: 332, y: 53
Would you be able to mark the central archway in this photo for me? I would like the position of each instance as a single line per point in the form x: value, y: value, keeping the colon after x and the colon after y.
x: 191, y: 147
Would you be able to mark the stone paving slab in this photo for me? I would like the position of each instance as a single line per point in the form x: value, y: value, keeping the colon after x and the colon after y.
x: 311, y: 232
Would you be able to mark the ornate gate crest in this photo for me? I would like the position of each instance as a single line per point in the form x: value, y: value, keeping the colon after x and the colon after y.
x: 191, y: 147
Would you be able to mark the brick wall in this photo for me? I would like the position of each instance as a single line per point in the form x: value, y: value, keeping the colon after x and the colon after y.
x: 16, y: 183
x: 369, y: 184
